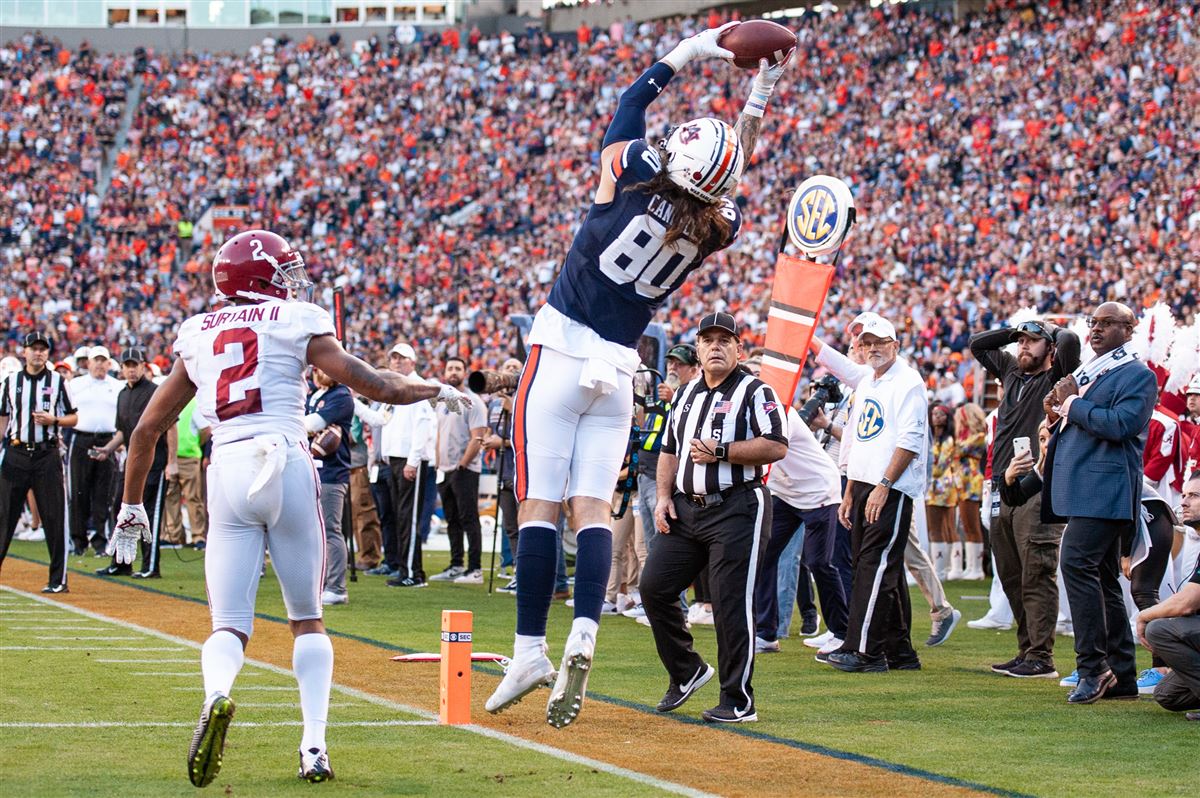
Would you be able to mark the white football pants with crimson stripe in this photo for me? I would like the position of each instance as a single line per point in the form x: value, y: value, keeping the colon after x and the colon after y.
x: 284, y: 516
x: 569, y: 440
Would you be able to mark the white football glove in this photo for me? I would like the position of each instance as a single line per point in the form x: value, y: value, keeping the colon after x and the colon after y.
x: 454, y: 400
x: 132, y: 526
x: 769, y: 75
x: 702, y: 45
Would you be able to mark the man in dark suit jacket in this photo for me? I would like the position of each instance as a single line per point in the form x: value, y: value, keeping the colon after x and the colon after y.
x: 1093, y: 479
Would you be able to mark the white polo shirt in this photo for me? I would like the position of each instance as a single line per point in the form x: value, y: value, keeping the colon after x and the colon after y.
x: 95, y: 402
x: 890, y: 412
x: 806, y: 478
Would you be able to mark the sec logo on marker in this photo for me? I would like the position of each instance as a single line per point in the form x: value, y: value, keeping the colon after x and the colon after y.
x: 819, y: 215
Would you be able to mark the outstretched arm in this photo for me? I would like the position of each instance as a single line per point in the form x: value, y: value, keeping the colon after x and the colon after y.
x: 326, y: 353
x: 750, y: 121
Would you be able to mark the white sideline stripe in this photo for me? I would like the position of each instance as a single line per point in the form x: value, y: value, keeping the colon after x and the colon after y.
x: 83, y: 637
x: 189, y: 674
x: 429, y: 717
x: 32, y: 612
x: 57, y: 627
x: 288, y: 704
x: 200, y: 689
x: 90, y: 648
x: 149, y: 724
x: 188, y: 661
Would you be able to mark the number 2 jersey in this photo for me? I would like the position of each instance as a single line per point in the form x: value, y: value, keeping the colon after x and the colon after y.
x: 618, y: 271
x: 247, y: 363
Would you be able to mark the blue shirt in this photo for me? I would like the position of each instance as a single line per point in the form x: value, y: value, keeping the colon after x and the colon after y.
x: 618, y: 272
x: 336, y: 406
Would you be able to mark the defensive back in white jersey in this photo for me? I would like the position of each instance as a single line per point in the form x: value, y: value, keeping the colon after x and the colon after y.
x: 247, y: 363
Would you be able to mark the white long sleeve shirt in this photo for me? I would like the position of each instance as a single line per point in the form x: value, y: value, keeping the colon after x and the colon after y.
x: 890, y: 412
x: 806, y: 478
x: 410, y: 434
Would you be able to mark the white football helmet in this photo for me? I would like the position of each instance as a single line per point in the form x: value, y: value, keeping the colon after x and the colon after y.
x: 704, y: 158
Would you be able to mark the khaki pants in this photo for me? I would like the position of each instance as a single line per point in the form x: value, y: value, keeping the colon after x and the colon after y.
x: 368, y: 536
x: 628, y: 552
x: 188, y: 487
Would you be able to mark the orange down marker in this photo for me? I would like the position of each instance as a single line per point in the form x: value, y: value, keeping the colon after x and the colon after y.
x: 456, y: 667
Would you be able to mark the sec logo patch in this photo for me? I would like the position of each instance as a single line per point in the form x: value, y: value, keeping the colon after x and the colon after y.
x: 870, y: 421
x: 819, y: 215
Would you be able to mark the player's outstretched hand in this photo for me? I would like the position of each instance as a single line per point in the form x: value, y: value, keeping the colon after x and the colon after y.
x: 454, y: 400
x: 769, y: 75
x: 702, y: 45
x: 132, y: 526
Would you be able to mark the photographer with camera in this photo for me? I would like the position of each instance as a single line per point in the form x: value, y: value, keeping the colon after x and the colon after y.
x: 499, y: 415
x: 329, y: 412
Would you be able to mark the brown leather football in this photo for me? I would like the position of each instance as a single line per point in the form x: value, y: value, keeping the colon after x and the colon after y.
x: 756, y: 39
x: 327, y: 441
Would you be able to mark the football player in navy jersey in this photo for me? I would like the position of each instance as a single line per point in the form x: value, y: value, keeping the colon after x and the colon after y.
x: 658, y: 213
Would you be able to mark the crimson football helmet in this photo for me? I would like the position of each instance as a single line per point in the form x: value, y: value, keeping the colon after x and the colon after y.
x: 260, y: 265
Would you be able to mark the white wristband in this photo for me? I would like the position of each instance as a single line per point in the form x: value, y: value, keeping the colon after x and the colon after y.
x: 756, y: 103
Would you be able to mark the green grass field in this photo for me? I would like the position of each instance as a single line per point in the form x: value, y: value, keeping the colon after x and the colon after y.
x: 953, y: 719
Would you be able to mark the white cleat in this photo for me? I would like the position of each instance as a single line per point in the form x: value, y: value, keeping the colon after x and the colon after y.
x: 566, y: 699
x: 521, y: 677
x: 314, y: 766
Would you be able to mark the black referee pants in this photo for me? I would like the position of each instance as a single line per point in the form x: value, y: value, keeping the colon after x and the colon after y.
x: 729, y: 541
x: 880, y: 611
x: 41, y: 471
x: 91, y: 484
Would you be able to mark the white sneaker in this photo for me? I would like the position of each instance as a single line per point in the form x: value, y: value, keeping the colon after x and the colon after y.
x: 625, y: 602
x: 988, y: 622
x: 566, y: 698
x: 328, y: 597
x: 636, y: 611
x: 766, y: 646
x: 833, y: 645
x: 37, y: 534
x: 314, y: 766
x: 818, y: 641
x: 470, y: 578
x: 703, y: 616
x: 1064, y: 628
x: 608, y: 608
x: 451, y: 574
x: 521, y: 677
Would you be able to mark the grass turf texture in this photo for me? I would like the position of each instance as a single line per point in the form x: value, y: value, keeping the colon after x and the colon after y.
x: 954, y: 718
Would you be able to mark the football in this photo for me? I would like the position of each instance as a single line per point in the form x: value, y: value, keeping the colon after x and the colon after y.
x: 327, y: 441
x: 756, y: 39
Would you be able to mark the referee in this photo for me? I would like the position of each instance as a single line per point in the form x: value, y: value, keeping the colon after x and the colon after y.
x: 34, y: 405
x: 713, y: 513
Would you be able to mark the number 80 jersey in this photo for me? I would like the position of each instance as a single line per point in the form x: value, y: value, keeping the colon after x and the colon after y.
x: 247, y: 363
x: 618, y: 271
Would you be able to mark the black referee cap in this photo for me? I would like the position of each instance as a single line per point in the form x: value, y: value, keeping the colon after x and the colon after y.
x: 722, y: 320
x: 133, y: 354
x: 34, y: 338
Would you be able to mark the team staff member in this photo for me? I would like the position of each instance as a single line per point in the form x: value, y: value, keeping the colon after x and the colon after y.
x: 714, y: 513
x: 90, y: 481
x: 34, y: 407
x: 885, y: 470
x: 327, y: 405
x: 131, y: 403
x: 1025, y: 548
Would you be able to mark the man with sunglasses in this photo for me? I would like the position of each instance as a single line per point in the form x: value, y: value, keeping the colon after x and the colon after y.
x: 1025, y: 548
x: 1099, y: 415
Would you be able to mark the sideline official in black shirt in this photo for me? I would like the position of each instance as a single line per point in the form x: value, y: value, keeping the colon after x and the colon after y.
x: 34, y: 407
x: 131, y: 403
x: 713, y: 513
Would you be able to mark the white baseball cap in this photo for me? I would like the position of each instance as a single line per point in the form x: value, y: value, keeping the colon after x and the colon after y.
x: 1193, y: 386
x: 81, y: 352
x: 98, y: 351
x: 874, y: 324
x: 405, y: 350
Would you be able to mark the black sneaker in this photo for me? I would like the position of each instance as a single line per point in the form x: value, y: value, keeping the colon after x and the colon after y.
x: 910, y: 662
x: 809, y: 624
x: 1005, y: 667
x: 679, y: 693
x: 55, y: 589
x: 115, y: 570
x: 407, y: 581
x: 721, y: 714
x: 854, y: 662
x: 1033, y: 669
x: 147, y: 575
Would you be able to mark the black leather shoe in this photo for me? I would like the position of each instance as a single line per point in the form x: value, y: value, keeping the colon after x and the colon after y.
x: 910, y: 662
x: 1123, y: 691
x: 115, y: 570
x: 1092, y: 688
x: 853, y: 662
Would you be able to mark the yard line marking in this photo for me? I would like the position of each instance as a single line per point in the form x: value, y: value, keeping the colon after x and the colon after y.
x: 33, y: 612
x: 189, y: 674
x: 188, y: 661
x: 200, y: 689
x: 149, y: 724
x: 84, y: 637
x: 57, y: 627
x: 287, y: 704
x: 431, y: 717
x: 90, y: 648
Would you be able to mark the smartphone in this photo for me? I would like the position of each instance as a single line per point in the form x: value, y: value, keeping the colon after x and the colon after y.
x: 1020, y: 446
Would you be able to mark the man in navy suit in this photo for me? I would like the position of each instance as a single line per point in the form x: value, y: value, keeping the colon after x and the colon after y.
x: 1100, y: 415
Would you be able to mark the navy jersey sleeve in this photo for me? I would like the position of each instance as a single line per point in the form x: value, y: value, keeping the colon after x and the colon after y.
x: 734, y: 214
x: 337, y: 407
x: 636, y: 163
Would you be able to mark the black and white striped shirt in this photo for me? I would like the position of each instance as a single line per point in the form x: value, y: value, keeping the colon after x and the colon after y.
x: 22, y: 394
x: 741, y: 408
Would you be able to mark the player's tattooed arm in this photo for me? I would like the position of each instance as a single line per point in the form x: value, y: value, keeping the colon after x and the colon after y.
x: 326, y: 353
x: 747, y: 128
x: 160, y: 414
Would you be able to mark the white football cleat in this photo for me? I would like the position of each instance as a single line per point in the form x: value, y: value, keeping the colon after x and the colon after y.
x: 521, y: 677
x: 566, y: 699
x: 314, y: 766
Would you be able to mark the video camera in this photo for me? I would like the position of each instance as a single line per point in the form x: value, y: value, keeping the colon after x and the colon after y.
x: 826, y: 390
x: 492, y: 381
